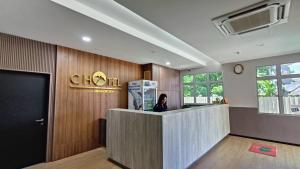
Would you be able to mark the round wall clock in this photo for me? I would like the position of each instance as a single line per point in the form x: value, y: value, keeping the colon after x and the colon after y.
x: 238, y: 69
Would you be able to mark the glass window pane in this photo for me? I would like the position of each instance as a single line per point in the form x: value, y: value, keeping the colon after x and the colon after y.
x: 201, y: 78
x: 267, y: 88
x: 188, y: 78
x: 291, y: 95
x: 291, y: 68
x: 264, y: 71
x: 188, y: 94
x: 201, y: 93
x: 268, y: 104
x: 267, y: 96
x: 215, y: 76
x: 216, y: 92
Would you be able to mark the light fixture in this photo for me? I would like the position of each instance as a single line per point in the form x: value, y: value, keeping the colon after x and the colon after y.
x: 168, y: 63
x: 86, y: 39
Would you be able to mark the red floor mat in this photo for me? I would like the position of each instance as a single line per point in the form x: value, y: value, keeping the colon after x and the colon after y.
x: 263, y: 149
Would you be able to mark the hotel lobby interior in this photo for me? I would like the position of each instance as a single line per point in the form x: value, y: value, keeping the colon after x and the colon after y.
x: 150, y: 84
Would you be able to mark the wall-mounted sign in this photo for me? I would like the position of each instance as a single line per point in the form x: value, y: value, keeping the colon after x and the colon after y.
x: 97, y: 82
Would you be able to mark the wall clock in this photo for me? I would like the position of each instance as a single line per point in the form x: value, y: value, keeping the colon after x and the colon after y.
x: 238, y: 69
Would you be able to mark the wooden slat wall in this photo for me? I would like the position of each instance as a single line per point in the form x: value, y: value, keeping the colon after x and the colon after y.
x: 77, y: 112
x: 168, y: 83
x: 26, y: 55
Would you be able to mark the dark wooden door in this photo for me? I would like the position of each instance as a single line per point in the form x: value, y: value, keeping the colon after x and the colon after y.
x: 23, y: 118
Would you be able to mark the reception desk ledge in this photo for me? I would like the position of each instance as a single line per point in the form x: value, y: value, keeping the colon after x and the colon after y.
x: 173, y: 139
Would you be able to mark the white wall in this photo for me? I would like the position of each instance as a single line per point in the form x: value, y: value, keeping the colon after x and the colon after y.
x: 241, y: 89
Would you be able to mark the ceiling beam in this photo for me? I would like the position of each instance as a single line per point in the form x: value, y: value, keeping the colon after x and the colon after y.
x: 121, y: 18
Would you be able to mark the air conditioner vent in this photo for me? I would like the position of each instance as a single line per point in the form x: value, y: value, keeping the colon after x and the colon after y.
x: 248, y: 11
x: 255, y: 17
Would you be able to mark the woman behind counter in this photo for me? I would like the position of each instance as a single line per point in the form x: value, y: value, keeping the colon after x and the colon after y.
x: 161, y: 105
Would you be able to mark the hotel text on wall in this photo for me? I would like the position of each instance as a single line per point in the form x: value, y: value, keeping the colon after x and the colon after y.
x: 97, y: 82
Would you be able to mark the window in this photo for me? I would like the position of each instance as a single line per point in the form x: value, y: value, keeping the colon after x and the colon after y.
x: 188, y: 79
x: 203, y: 87
x: 291, y: 68
x: 265, y: 71
x: 278, y: 88
x: 291, y: 95
x: 268, y: 96
x: 188, y: 93
x: 216, y: 91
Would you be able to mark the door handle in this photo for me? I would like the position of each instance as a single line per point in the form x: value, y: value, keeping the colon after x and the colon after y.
x: 40, y: 120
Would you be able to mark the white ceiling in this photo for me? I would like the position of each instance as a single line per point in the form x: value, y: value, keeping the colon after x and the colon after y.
x: 188, y: 20
x: 123, y: 19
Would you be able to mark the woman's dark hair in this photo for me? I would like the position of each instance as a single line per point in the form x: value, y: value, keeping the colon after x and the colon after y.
x: 161, y: 98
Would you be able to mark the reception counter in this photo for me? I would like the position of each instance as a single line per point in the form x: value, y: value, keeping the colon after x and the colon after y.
x: 169, y: 140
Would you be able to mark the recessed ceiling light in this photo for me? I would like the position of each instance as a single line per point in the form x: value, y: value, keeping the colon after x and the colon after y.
x: 168, y: 63
x: 86, y: 39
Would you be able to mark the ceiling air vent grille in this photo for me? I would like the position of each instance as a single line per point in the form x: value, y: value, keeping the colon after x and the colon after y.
x: 258, y: 16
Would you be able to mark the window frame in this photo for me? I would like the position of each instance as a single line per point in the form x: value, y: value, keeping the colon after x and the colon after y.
x: 279, y: 78
x: 207, y: 83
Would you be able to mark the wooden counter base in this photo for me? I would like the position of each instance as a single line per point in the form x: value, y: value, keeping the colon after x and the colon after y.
x: 173, y: 139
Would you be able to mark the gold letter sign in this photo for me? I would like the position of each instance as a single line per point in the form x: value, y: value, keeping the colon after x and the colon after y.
x: 97, y: 82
